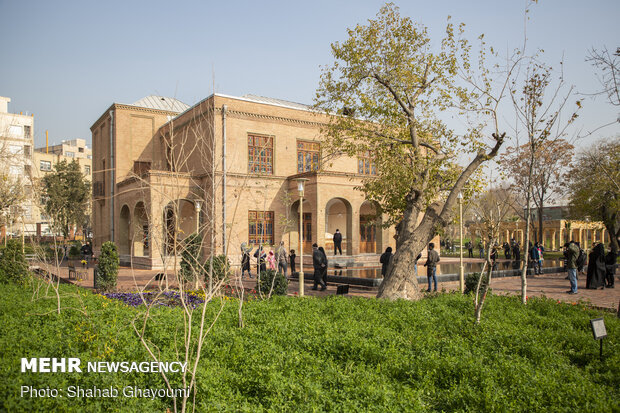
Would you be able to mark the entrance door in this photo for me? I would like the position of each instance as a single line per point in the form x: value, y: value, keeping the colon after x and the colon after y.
x: 368, y: 233
x: 307, y: 235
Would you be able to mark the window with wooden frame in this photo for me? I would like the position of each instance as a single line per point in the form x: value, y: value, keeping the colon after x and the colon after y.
x: 366, y: 164
x: 308, y: 156
x: 260, y: 154
x: 260, y: 227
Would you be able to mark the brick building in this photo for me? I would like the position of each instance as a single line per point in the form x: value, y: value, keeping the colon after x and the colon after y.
x: 227, y: 167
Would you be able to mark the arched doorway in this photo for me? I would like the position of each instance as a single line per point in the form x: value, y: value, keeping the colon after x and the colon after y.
x: 338, y: 215
x: 141, y: 242
x: 308, y: 234
x: 180, y: 221
x: 123, y: 231
x: 370, y: 229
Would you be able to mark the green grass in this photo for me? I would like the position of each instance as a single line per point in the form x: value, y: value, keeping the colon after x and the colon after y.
x: 332, y: 354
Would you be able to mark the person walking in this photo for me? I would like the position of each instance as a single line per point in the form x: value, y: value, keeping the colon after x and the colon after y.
x: 292, y: 258
x: 431, y: 266
x: 245, y: 259
x: 516, y: 251
x: 506, y: 248
x: 610, y: 267
x: 571, y: 254
x: 470, y: 249
x: 324, y: 276
x: 260, y: 256
x: 541, y: 256
x: 535, y: 258
x: 493, y: 257
x: 582, y: 259
x: 271, y: 261
x: 337, y: 242
x: 481, y: 249
x: 318, y: 263
x: 385, y: 260
x: 281, y: 259
x: 596, y: 268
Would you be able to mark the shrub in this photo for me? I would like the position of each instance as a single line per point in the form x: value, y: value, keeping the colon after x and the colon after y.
x: 13, y: 264
x: 280, y: 284
x: 52, y: 253
x: 74, y: 251
x: 190, y: 259
x: 221, y: 268
x: 471, y: 281
x: 106, y: 271
x: 328, y: 354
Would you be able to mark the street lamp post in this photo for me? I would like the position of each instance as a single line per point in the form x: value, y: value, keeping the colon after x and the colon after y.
x: 197, y: 207
x: 301, y: 183
x: 461, y: 271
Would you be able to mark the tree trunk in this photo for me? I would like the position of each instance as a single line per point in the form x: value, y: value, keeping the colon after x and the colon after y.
x: 541, y: 237
x: 611, y: 224
x: 614, y: 234
x: 400, y: 280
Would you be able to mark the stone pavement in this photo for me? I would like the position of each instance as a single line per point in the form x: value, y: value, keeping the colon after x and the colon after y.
x: 553, y: 286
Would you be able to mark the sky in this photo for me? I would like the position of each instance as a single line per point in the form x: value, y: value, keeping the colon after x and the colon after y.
x: 68, y: 61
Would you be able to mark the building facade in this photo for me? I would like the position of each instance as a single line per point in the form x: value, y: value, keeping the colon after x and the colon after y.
x: 558, y: 229
x: 228, y: 168
x: 44, y: 160
x: 16, y: 148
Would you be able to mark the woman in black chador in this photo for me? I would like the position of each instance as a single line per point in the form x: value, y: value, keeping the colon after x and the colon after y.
x: 385, y: 260
x: 596, y: 268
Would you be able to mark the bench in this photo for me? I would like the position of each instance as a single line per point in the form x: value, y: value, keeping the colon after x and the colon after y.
x: 72, y: 271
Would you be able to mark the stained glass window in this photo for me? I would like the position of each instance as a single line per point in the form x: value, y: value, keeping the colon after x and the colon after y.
x: 260, y: 227
x: 260, y: 154
x: 308, y: 156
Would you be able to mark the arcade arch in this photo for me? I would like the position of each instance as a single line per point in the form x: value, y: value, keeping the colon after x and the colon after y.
x: 339, y: 215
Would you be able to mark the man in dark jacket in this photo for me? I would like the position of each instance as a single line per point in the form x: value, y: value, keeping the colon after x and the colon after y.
x: 337, y: 242
x: 516, y: 251
x: 319, y: 263
x: 324, y: 276
x: 385, y: 260
x: 571, y: 253
x: 431, y: 266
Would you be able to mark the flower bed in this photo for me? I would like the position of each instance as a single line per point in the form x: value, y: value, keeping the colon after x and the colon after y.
x: 165, y: 298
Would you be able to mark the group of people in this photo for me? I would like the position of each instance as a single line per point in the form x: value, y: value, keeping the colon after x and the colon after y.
x: 512, y: 250
x: 601, y: 266
x: 277, y: 260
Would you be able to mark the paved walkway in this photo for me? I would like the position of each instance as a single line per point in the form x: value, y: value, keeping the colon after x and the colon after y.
x: 551, y: 285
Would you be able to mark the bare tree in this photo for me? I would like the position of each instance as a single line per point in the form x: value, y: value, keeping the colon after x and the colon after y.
x: 539, y: 107
x: 607, y: 64
x: 550, y: 166
x: 492, y: 207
